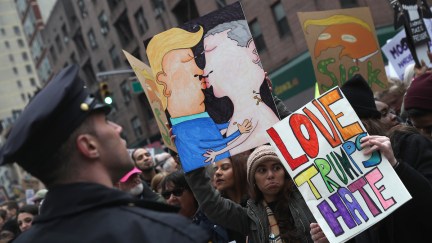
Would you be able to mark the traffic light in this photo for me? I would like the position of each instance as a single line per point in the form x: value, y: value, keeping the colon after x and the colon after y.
x: 105, y: 93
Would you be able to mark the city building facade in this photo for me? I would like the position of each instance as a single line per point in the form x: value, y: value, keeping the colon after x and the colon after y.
x: 93, y: 34
x: 18, y: 79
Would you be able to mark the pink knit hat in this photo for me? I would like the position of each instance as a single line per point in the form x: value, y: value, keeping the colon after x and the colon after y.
x: 135, y: 170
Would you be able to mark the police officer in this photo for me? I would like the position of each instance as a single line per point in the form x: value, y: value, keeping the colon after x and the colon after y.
x: 64, y: 139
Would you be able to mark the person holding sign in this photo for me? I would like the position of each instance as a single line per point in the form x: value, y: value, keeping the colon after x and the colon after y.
x: 394, y: 228
x: 276, y: 212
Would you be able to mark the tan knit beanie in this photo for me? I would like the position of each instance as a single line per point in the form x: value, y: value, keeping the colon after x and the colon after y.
x: 259, y: 155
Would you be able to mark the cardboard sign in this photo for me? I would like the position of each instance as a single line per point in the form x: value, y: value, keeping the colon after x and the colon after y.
x: 347, y: 192
x: 342, y: 43
x: 212, y: 85
x: 145, y: 76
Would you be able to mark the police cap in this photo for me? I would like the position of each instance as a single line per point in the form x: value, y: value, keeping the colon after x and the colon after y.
x: 49, y: 119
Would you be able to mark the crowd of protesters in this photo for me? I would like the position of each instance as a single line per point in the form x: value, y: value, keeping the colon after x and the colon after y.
x: 98, y: 191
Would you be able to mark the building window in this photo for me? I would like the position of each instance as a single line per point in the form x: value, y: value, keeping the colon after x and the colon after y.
x: 23, y: 97
x: 24, y: 56
x: 136, y: 125
x: 17, y: 30
x: 11, y: 58
x: 141, y: 21
x: 126, y: 91
x: 29, y: 69
x: 114, y: 57
x: 65, y: 34
x: 101, y: 66
x: 58, y: 44
x: 79, y: 42
x: 257, y: 35
x: 185, y: 10
x: 6, y: 43
x: 15, y: 70
x: 122, y: 26
x: 19, y: 84
x: 33, y: 82
x: 158, y: 6
x: 53, y: 54
x: 20, y: 43
x: 73, y: 58
x: 89, y: 72
x: 3, y: 31
x: 82, y: 8
x: 112, y: 4
x: 92, y: 39
x: 281, y: 19
x: 220, y: 3
x: 103, y: 22
x: 348, y: 3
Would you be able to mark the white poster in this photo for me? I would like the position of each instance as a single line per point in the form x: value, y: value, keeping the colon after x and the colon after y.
x: 347, y: 192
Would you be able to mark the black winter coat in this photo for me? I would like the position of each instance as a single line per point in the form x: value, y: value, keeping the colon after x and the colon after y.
x: 87, y: 212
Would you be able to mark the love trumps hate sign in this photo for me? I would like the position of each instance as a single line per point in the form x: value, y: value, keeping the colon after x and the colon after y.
x: 347, y: 192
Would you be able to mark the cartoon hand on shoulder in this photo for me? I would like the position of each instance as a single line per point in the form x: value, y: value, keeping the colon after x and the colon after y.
x: 245, y: 127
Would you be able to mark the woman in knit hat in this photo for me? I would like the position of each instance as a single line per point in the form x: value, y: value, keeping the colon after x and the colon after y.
x: 276, y: 211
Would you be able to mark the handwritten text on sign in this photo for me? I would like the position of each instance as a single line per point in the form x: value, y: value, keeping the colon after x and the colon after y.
x: 320, y: 147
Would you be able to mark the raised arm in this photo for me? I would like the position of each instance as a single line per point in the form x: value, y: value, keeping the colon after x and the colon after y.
x: 218, y: 209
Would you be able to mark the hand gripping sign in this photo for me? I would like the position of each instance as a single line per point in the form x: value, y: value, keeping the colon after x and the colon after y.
x: 347, y: 192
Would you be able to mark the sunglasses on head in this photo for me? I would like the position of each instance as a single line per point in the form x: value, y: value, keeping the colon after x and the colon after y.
x: 176, y: 192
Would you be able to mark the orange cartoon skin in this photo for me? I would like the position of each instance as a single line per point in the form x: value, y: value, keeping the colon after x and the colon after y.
x: 357, y: 42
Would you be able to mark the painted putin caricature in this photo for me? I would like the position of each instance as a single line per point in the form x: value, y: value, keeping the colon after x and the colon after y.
x: 225, y: 47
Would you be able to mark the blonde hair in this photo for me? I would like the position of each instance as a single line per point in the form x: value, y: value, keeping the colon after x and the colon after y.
x: 165, y: 42
x: 336, y: 19
x: 396, y: 87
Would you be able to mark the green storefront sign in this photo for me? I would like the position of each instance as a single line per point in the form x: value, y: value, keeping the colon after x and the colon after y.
x: 294, y: 77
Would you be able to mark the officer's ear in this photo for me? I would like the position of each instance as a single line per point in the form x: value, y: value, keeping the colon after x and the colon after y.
x: 87, y: 146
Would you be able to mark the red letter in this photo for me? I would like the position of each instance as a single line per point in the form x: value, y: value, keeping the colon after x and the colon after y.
x: 333, y: 140
x: 309, y: 145
x: 293, y: 163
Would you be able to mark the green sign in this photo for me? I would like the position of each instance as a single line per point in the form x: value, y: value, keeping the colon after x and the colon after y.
x: 136, y: 87
x: 293, y: 78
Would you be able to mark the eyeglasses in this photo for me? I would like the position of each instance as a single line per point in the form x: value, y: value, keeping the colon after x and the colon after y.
x: 176, y: 192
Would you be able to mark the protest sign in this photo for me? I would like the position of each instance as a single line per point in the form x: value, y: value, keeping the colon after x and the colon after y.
x: 410, y: 14
x: 397, y: 52
x: 347, y: 192
x: 343, y: 43
x: 145, y: 76
x: 212, y: 85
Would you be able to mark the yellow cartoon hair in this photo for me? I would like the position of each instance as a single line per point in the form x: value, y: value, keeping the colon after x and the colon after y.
x: 165, y: 42
x: 336, y: 19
